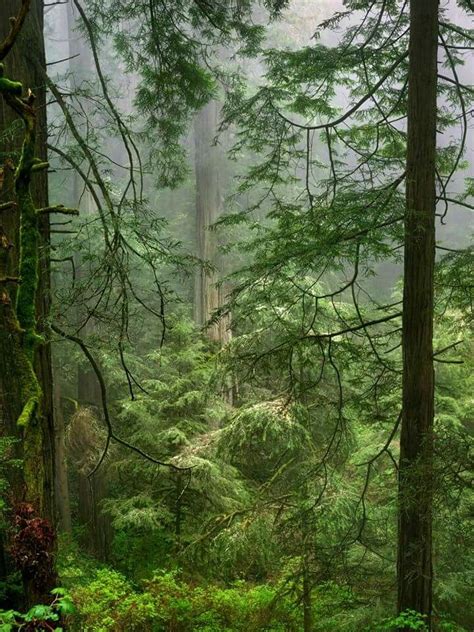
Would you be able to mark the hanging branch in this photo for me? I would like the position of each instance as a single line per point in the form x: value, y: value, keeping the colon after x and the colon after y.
x: 352, y: 110
x: 115, y: 264
x: 128, y: 142
x: 111, y: 435
x: 8, y: 206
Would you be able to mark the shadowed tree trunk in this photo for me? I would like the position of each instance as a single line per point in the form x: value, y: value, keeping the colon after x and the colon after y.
x: 26, y: 410
x: 416, y: 471
x: 85, y: 442
x: 25, y: 63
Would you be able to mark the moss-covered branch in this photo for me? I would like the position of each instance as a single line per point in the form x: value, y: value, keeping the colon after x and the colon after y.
x: 7, y: 86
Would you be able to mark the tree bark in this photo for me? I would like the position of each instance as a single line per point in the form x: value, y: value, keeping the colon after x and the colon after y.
x: 98, y: 534
x: 416, y: 470
x: 26, y: 412
x: 24, y: 63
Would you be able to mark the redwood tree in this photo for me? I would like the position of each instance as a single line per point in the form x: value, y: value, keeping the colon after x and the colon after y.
x: 25, y: 363
x: 209, y: 296
x: 415, y: 473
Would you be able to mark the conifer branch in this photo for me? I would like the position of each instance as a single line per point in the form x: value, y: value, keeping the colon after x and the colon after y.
x: 111, y: 436
x: 354, y: 108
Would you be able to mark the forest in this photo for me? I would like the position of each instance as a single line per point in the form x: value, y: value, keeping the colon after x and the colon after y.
x: 236, y: 307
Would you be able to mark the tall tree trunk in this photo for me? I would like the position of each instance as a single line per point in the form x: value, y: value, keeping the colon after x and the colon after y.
x: 209, y: 164
x: 178, y: 510
x: 26, y: 63
x: 43, y: 360
x: 81, y: 67
x: 90, y: 492
x: 416, y: 471
x: 26, y: 410
x: 98, y: 528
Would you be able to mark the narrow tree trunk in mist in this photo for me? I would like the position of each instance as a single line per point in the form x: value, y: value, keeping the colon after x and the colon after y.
x: 416, y: 469
x: 81, y: 67
x: 63, y: 506
x: 98, y: 528
x: 26, y: 63
x: 209, y: 162
x: 307, y: 603
x: 90, y: 492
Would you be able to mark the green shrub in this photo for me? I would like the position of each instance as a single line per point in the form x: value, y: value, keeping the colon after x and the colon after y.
x: 166, y: 603
x: 41, y: 616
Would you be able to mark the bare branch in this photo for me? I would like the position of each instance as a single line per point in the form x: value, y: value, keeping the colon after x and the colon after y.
x: 16, y: 24
x: 59, y: 208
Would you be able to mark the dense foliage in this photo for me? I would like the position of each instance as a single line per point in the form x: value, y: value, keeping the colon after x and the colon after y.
x: 248, y: 479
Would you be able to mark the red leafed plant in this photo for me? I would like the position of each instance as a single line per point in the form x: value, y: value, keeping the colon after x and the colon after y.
x: 32, y: 546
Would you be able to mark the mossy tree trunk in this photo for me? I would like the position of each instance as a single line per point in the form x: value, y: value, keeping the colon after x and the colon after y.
x: 25, y: 362
x: 25, y: 64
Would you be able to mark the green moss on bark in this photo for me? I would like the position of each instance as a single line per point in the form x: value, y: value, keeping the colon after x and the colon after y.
x: 22, y: 321
x: 7, y: 85
x: 29, y: 258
